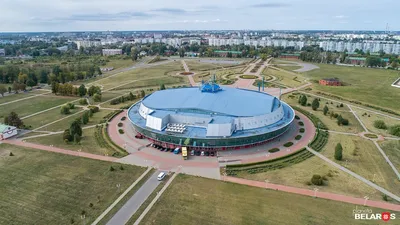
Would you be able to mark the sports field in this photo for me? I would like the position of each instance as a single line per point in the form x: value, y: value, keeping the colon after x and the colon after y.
x: 194, y: 200
x: 38, y: 187
x: 368, y: 85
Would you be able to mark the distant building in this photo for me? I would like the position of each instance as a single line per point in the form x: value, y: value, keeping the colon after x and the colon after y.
x: 2, y: 52
x: 7, y: 131
x: 330, y: 82
x: 107, y: 52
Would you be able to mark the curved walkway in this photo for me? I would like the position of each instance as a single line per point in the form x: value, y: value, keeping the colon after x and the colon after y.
x: 311, y: 193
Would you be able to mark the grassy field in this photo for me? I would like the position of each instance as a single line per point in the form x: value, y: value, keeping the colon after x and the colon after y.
x: 300, y: 174
x: 138, y: 74
x: 362, y: 157
x: 353, y: 127
x: 34, y: 105
x: 119, y: 63
x: 64, y: 124
x: 154, y: 82
x: 47, y: 117
x: 370, y: 118
x: 39, y: 187
x: 223, y: 74
x: 290, y: 68
x: 189, y: 200
x: 14, y: 97
x: 367, y: 85
x: 88, y: 143
x: 392, y: 150
x: 285, y: 78
x: 195, y: 65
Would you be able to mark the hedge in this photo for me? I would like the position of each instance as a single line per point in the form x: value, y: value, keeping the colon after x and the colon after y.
x: 298, y: 137
x: 288, y: 144
x: 297, y: 117
x: 302, y: 130
x: 301, y: 123
x: 273, y: 150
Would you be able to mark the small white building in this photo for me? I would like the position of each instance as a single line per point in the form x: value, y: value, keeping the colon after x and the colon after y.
x: 107, y: 52
x: 7, y: 131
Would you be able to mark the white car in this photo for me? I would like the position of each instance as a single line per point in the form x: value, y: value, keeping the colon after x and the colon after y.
x: 161, y: 176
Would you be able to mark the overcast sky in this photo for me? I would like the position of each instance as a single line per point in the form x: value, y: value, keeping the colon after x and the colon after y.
x: 92, y: 15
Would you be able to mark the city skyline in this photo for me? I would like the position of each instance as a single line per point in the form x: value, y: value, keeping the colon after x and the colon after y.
x: 73, y: 15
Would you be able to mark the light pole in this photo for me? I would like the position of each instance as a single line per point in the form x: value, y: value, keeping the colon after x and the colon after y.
x: 83, y: 216
x: 315, y: 192
x: 266, y: 184
x: 373, y: 179
x: 118, y: 186
x: 366, y: 198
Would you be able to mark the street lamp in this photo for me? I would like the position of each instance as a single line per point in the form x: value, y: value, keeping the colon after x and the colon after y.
x: 366, y: 198
x: 315, y: 192
x: 373, y: 179
x: 266, y: 184
x: 118, y: 186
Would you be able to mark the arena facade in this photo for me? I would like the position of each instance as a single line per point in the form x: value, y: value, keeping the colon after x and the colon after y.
x: 210, y: 118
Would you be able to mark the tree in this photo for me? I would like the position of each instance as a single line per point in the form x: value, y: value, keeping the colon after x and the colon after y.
x: 97, y: 97
x: 303, y: 100
x: 77, y: 139
x: 317, y: 180
x: 85, y: 118
x: 76, y: 128
x: 14, y: 120
x: 142, y: 93
x: 339, y: 120
x: 30, y: 83
x: 90, y: 113
x: 380, y: 124
x: 94, y: 90
x: 339, y: 152
x: 162, y: 87
x: 9, y: 90
x: 134, y: 54
x: 326, y: 110
x: 54, y: 87
x: 3, y: 89
x: 315, y: 104
x: 67, y: 135
x: 65, y: 109
x: 82, y: 90
x: 181, y: 52
x: 15, y: 87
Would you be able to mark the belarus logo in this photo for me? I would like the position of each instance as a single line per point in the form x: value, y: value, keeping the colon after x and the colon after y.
x: 386, y: 216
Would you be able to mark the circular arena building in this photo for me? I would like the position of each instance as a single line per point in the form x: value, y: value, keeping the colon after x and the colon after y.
x: 210, y: 118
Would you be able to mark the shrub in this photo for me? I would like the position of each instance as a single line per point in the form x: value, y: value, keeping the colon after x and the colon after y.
x: 71, y: 106
x: 120, y: 124
x: 273, y: 150
x: 111, y: 168
x: 94, y: 109
x: 380, y: 124
x: 97, y: 97
x: 315, y: 104
x: 338, y: 152
x: 301, y: 123
x: 121, y: 167
x: 90, y: 205
x: 123, y: 118
x: 297, y: 117
x: 288, y: 144
x: 384, y: 197
x: 317, y: 180
x: 345, y: 122
x: 83, y: 101
x: 11, y: 154
x: 121, y: 131
x: 395, y: 130
x: 67, y: 135
x: 65, y: 110
x: 302, y: 130
x: 298, y: 137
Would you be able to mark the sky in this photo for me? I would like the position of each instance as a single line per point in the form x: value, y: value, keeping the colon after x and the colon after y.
x: 121, y: 15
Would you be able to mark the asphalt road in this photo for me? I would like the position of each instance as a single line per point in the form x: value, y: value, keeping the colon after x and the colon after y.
x: 133, y: 204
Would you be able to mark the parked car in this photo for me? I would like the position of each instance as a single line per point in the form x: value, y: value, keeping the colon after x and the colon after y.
x: 202, y: 153
x: 177, y: 151
x: 197, y: 153
x: 192, y: 153
x: 212, y: 154
x: 161, y: 176
x: 207, y: 153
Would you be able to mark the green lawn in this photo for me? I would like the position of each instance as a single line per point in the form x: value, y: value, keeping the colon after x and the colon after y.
x: 64, y: 124
x: 290, y: 68
x: 88, y: 143
x: 194, y: 200
x: 166, y: 80
x: 353, y: 127
x: 362, y: 157
x: 34, y: 105
x: 38, y: 187
x: 369, y: 118
x: 47, y: 117
x: 138, y: 74
x: 392, y: 150
x: 285, y: 78
x: 195, y: 65
x: 367, y: 85
x: 14, y: 97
